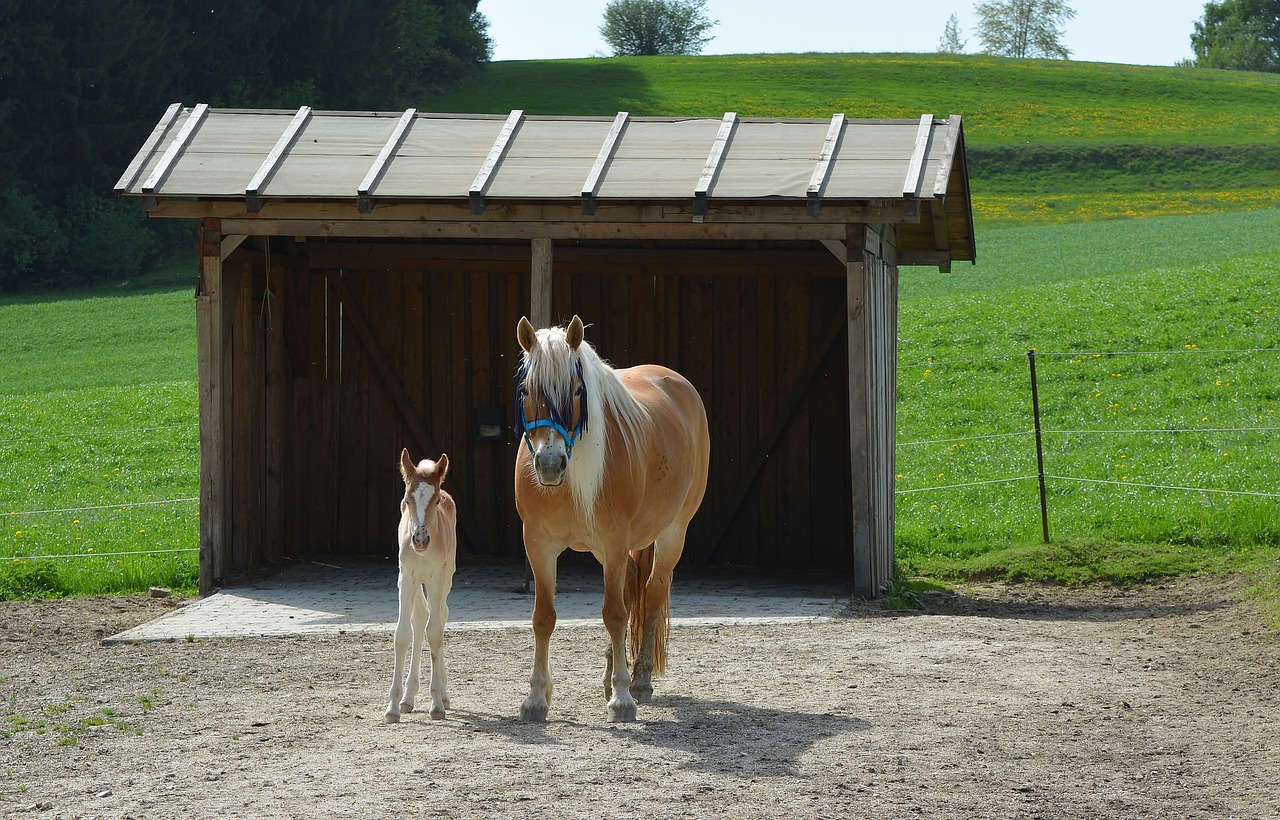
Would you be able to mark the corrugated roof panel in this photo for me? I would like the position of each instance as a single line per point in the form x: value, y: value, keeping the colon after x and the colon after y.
x: 331, y: 156
x: 440, y: 157
x: 770, y: 159
x: 659, y: 159
x: 550, y: 158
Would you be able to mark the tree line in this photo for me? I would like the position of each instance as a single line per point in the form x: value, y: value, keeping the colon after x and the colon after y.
x: 82, y: 83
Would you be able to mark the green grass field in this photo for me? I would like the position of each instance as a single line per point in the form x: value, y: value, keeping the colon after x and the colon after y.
x: 1145, y: 280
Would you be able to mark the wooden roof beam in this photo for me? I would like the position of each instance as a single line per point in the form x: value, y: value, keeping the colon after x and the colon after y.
x: 822, y: 171
x: 130, y: 174
x: 915, y: 170
x: 715, y: 160
x: 950, y: 145
x: 591, y: 187
x: 252, y: 202
x: 364, y: 193
x: 499, y: 150
x: 170, y: 158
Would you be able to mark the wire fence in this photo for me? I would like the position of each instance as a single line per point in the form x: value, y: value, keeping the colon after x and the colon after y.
x: 1044, y: 476
x: 1259, y: 396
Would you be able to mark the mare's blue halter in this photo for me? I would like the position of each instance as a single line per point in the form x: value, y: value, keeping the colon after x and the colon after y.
x: 560, y: 416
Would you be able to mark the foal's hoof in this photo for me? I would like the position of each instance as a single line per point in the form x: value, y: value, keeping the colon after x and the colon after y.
x: 391, y: 718
x: 437, y: 714
x: 406, y: 706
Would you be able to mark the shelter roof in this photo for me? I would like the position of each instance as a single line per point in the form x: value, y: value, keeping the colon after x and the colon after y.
x: 503, y: 176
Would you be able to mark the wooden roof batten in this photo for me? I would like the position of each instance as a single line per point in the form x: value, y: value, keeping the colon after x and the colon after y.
x: 252, y: 191
x: 591, y: 187
x: 484, y: 179
x: 715, y: 161
x: 364, y: 193
x: 750, y: 182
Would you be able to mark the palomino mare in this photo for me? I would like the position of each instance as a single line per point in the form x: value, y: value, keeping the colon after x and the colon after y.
x: 428, y: 557
x: 614, y: 463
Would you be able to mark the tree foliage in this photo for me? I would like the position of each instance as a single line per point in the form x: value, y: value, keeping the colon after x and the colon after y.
x: 1243, y: 35
x: 1024, y: 28
x: 641, y: 28
x: 951, y: 41
x: 82, y: 82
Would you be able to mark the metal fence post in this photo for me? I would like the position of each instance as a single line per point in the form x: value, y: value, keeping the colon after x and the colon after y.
x: 1035, y: 410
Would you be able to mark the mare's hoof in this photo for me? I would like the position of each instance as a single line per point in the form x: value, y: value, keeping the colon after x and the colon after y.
x: 406, y: 706
x: 622, y: 714
x: 533, y: 713
x: 642, y: 692
x: 392, y: 718
x: 437, y: 714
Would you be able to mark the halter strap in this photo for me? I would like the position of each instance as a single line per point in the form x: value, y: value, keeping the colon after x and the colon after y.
x: 523, y: 425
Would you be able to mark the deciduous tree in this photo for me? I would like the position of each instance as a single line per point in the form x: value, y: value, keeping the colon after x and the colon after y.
x: 1023, y: 28
x: 1238, y: 34
x: 640, y: 28
x: 951, y: 42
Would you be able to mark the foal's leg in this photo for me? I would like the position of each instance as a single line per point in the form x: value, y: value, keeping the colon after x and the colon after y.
x: 403, y: 635
x: 415, y: 660
x: 622, y: 706
x: 438, y: 610
x: 536, y: 704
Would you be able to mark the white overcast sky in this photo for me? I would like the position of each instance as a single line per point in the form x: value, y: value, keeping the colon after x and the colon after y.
x: 1139, y: 32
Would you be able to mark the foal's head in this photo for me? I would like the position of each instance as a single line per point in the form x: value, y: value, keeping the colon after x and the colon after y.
x: 421, y: 498
x: 551, y: 402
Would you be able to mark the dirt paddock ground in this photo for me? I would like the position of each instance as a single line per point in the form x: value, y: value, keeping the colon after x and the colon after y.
x: 997, y: 702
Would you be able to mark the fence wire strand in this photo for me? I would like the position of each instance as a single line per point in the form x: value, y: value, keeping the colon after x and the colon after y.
x: 106, y: 506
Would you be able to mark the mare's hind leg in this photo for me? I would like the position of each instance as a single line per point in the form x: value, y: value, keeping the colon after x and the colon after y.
x: 622, y: 706
x: 655, y: 600
x: 537, y: 703
x: 631, y: 591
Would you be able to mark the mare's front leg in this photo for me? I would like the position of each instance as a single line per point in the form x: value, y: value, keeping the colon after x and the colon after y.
x: 403, y: 637
x: 438, y: 608
x: 536, y: 704
x: 622, y: 706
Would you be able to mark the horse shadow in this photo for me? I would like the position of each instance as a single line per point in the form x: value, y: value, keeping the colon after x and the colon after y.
x: 741, y: 740
x: 716, y: 736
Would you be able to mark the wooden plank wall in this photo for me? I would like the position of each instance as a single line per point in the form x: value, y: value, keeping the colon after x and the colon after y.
x: 314, y: 433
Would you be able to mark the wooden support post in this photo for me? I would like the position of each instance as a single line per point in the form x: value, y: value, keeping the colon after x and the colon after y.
x: 859, y: 451
x: 209, y: 337
x: 541, y: 252
x: 872, y: 311
x: 540, y: 283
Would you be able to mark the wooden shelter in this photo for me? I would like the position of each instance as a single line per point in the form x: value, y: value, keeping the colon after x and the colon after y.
x: 361, y: 276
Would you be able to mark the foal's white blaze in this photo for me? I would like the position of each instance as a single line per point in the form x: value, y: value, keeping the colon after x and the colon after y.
x: 422, y: 495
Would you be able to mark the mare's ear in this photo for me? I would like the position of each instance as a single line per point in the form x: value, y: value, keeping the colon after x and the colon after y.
x: 575, y: 333
x: 526, y: 334
x: 407, y: 468
x: 442, y: 467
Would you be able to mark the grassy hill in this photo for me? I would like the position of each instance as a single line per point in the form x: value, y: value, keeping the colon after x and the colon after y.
x: 1046, y: 139
x: 1169, y: 323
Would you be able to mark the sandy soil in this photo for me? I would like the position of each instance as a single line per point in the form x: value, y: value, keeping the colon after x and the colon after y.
x: 1000, y: 702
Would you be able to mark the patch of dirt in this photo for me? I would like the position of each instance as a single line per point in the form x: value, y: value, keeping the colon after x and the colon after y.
x: 996, y: 701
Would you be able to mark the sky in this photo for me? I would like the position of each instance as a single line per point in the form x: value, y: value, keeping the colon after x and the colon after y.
x: 1106, y: 31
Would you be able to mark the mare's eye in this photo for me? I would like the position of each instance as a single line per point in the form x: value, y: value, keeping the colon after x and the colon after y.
x: 580, y: 391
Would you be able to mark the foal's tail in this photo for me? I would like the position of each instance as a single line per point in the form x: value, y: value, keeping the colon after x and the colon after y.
x: 639, y: 570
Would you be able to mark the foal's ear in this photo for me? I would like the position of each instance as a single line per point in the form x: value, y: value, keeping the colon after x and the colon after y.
x: 407, y: 468
x: 526, y: 334
x: 442, y: 467
x: 575, y: 333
